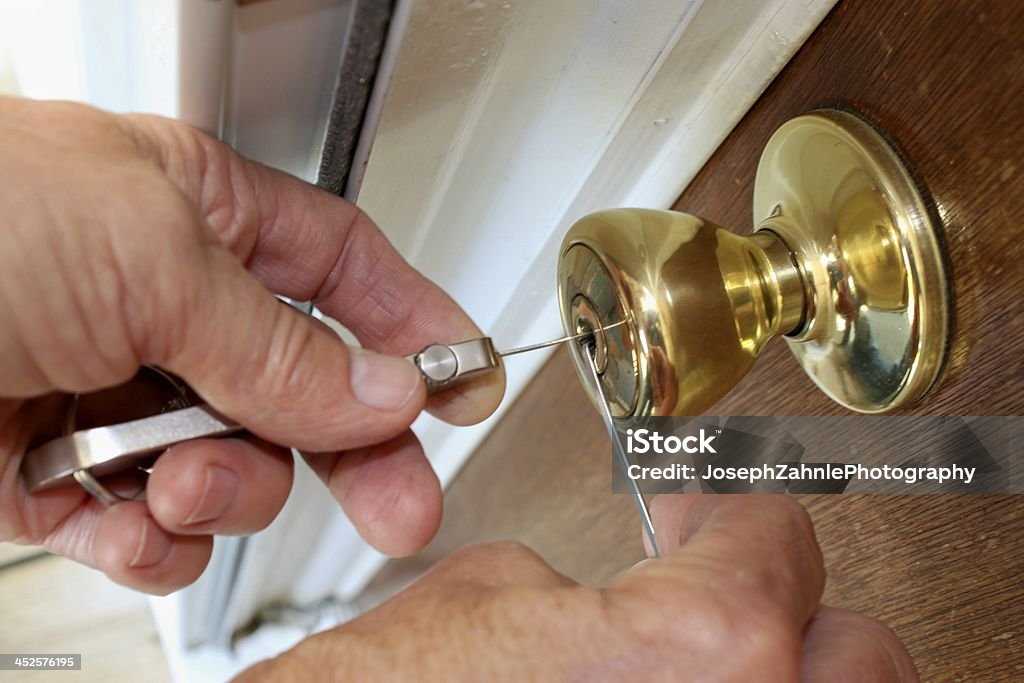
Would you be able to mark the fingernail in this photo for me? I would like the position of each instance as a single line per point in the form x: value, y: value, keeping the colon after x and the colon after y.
x: 153, y: 547
x: 219, y: 492
x: 383, y: 382
x: 642, y: 563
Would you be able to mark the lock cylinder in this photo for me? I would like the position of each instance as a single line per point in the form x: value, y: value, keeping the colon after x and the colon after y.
x: 680, y: 307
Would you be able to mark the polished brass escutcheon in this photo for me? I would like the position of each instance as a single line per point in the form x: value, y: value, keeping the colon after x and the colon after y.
x: 845, y: 263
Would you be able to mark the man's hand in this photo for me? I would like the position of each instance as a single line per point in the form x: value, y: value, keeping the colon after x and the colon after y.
x: 735, y: 598
x: 134, y: 240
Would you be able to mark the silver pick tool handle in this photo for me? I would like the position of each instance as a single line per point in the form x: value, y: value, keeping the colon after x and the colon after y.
x: 83, y: 455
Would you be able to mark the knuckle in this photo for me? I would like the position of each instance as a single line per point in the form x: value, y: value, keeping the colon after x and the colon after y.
x: 495, y: 550
x: 230, y: 201
x: 154, y: 269
x: 62, y: 115
x: 378, y: 282
x: 767, y: 631
x: 759, y: 636
x: 290, y: 348
x: 494, y: 563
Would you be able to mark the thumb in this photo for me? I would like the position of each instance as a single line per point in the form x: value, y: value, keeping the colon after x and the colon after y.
x: 284, y: 375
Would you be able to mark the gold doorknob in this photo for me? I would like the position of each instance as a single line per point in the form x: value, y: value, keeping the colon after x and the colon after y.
x: 845, y: 263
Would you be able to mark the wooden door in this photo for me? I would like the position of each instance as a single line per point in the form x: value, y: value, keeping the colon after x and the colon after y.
x: 945, y: 79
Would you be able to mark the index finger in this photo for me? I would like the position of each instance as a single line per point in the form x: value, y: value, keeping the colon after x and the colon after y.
x: 307, y: 244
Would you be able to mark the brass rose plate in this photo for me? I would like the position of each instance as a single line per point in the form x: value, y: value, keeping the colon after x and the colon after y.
x: 878, y: 296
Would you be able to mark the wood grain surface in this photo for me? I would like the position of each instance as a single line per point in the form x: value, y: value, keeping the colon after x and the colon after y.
x: 946, y: 81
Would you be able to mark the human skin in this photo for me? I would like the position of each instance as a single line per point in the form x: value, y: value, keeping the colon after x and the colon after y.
x: 734, y: 598
x: 135, y: 240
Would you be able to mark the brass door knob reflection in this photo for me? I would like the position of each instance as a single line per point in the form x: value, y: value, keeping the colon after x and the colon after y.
x: 844, y: 263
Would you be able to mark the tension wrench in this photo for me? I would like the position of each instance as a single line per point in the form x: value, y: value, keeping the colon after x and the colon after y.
x: 587, y: 346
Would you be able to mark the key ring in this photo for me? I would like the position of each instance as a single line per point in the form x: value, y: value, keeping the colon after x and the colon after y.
x: 98, y: 491
x: 87, y: 443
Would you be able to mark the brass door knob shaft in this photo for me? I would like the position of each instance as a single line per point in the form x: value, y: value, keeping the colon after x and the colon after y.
x: 844, y: 263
